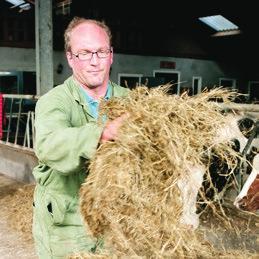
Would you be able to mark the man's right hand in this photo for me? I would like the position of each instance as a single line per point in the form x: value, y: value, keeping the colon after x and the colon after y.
x: 110, y: 130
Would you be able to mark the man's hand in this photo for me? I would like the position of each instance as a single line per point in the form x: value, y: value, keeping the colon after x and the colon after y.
x: 110, y: 130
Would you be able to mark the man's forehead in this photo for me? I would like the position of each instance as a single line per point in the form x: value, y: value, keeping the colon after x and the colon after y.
x: 88, y: 27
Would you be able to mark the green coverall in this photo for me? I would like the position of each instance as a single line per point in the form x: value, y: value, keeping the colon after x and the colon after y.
x: 66, y: 138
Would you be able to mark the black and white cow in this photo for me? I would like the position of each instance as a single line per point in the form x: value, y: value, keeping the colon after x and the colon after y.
x: 238, y: 130
x: 242, y: 137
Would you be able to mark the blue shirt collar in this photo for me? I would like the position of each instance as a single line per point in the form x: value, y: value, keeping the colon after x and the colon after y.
x: 89, y: 99
x: 94, y: 104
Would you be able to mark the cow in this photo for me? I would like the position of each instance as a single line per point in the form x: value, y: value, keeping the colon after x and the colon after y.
x: 189, y: 186
x: 237, y: 131
x: 248, y: 198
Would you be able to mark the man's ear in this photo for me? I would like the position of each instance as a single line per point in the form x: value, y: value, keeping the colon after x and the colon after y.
x: 69, y: 58
x: 111, y: 55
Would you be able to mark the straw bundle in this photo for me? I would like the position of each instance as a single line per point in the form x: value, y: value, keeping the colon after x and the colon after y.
x: 131, y: 198
x: 18, y: 206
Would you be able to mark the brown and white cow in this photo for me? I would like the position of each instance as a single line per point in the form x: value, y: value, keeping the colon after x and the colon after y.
x: 248, y: 198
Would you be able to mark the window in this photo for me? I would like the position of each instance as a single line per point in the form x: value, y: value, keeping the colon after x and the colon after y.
x: 17, y: 31
x: 253, y: 91
x: 17, y: 82
x: 169, y: 76
x: 129, y: 80
x: 227, y: 83
x: 10, y: 82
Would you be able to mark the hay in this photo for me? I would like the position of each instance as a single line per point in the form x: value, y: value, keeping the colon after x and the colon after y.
x: 17, y: 204
x: 130, y: 198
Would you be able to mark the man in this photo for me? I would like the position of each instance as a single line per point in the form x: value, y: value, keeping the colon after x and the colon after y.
x: 67, y: 135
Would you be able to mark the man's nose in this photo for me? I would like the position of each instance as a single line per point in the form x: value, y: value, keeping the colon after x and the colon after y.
x: 94, y: 59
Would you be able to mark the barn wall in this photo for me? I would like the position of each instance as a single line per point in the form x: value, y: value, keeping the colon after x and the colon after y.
x: 210, y: 71
x: 19, y: 59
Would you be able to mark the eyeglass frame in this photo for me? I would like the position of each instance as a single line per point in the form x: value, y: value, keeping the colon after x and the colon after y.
x: 107, y: 52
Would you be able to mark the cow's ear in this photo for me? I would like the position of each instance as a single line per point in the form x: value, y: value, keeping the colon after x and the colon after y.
x: 246, y: 126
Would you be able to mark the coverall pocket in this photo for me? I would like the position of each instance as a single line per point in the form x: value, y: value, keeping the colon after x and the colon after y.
x: 68, y: 234
x: 63, y: 210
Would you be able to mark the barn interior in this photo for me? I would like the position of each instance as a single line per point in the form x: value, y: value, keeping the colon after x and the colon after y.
x: 154, y: 44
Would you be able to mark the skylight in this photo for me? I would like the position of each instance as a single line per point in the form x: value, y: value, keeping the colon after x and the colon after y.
x: 219, y: 23
x: 19, y: 3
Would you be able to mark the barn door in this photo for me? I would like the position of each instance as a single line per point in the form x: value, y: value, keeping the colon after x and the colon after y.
x: 196, y: 84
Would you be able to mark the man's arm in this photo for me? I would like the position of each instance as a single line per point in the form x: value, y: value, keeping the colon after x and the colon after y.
x: 60, y: 145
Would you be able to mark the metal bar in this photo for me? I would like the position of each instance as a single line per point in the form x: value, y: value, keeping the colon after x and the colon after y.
x: 27, y: 131
x: 21, y: 96
x: 13, y: 105
x: 18, y: 122
x: 33, y: 128
x: 10, y: 119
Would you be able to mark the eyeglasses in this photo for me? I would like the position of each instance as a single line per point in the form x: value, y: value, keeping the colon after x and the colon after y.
x: 87, y: 55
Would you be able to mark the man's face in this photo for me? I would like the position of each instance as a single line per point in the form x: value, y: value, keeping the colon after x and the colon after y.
x: 93, y: 72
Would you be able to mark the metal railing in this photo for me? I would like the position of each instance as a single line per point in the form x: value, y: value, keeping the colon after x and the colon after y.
x: 18, y: 120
